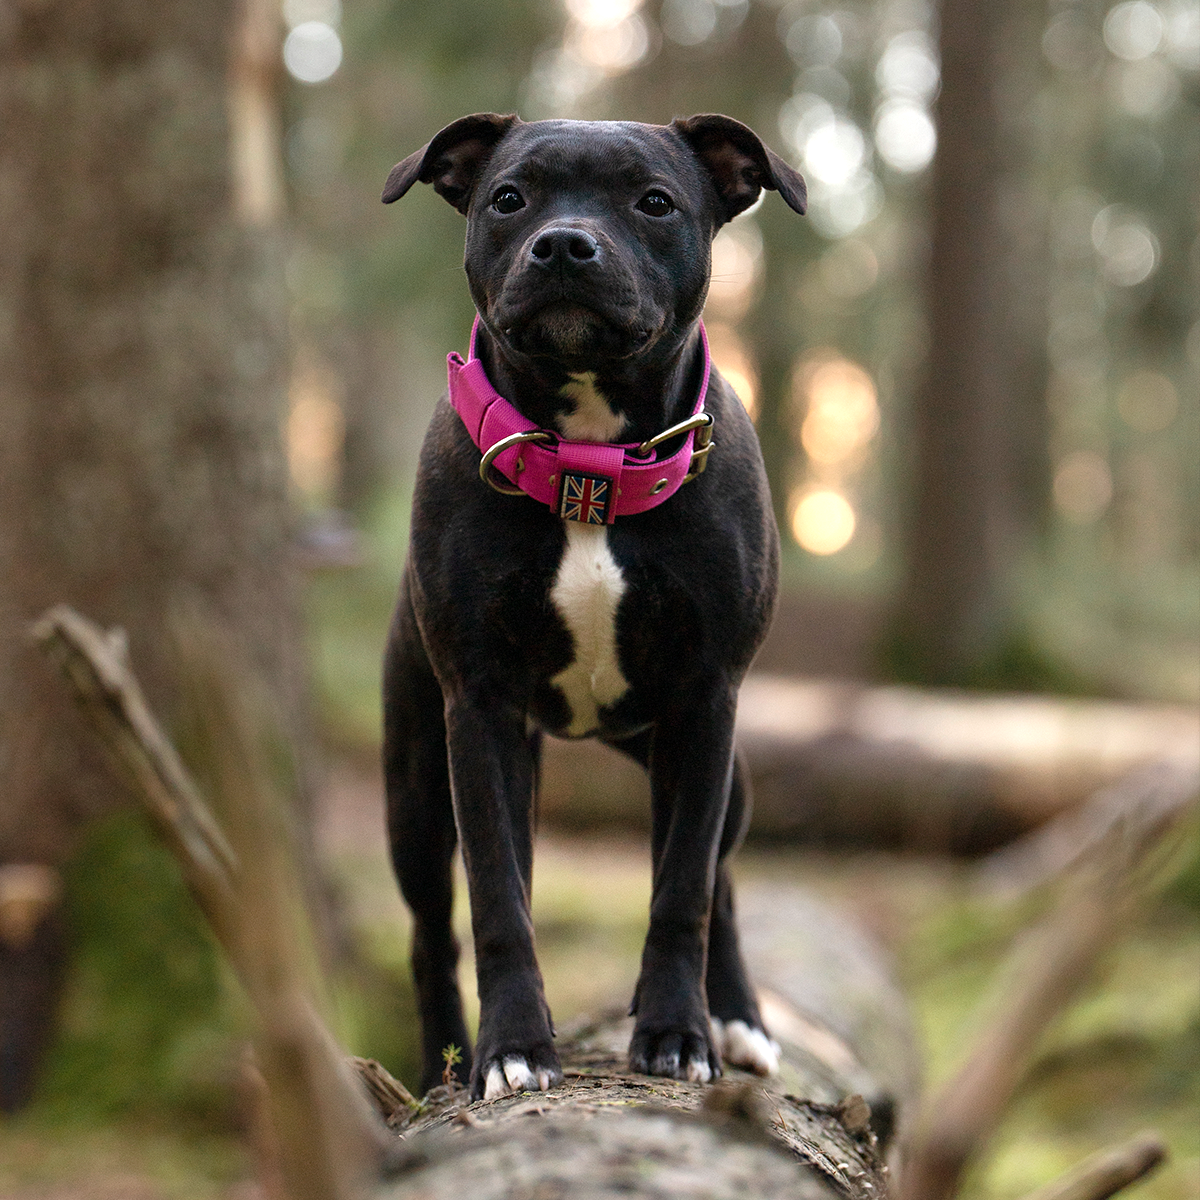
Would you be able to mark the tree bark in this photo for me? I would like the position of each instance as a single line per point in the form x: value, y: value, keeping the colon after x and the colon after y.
x: 605, y: 1133
x: 143, y: 356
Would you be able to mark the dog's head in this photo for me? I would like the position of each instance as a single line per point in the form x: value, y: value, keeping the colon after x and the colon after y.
x: 589, y: 240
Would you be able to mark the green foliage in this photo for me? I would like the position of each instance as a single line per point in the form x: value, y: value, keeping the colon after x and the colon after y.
x: 1022, y: 663
x: 348, y: 613
x: 1122, y: 1058
x: 452, y: 1055
x: 144, y: 1022
x: 1184, y: 889
x: 377, y: 1014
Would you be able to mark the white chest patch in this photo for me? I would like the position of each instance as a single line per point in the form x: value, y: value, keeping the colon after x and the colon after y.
x: 593, y: 419
x: 586, y: 592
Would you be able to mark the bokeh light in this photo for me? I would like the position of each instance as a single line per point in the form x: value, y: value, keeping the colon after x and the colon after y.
x: 312, y: 51
x: 905, y: 136
x: 1129, y: 251
x: 909, y: 67
x: 597, y: 14
x: 1133, y: 30
x: 736, y: 269
x: 611, y: 48
x: 834, y: 150
x: 841, y: 411
x: 1147, y: 401
x: 1083, y: 485
x: 823, y: 521
x: 732, y: 359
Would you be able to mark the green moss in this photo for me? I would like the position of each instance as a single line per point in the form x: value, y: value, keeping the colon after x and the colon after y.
x: 144, y: 1023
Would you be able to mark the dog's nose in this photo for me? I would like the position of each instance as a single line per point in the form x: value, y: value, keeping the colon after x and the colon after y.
x: 565, y: 245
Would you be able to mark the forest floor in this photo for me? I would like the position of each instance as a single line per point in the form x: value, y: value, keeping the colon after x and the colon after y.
x: 1125, y: 1058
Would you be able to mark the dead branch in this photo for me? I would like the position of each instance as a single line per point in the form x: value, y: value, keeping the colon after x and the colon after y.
x: 96, y: 666
x: 1106, y: 1173
x: 1147, y: 801
x: 323, y: 1126
x: 1047, y: 968
x: 619, y: 1135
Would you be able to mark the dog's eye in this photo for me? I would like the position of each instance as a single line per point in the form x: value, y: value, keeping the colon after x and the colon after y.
x: 656, y: 204
x: 507, y: 200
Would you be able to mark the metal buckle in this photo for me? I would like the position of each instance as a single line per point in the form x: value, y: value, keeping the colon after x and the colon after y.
x: 513, y: 439
x: 698, y: 421
x: 701, y: 447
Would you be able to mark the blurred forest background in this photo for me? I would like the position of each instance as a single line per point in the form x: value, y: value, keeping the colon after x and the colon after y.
x: 975, y: 372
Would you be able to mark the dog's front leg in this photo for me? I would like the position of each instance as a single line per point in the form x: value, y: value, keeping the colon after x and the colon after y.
x: 492, y: 778
x: 690, y: 773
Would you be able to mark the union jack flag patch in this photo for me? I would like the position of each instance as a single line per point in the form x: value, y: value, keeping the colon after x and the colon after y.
x: 585, y: 498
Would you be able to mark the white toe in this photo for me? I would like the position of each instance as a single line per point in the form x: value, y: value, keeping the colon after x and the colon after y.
x: 750, y: 1048
x: 545, y: 1080
x: 520, y: 1077
x: 495, y: 1085
x: 698, y: 1070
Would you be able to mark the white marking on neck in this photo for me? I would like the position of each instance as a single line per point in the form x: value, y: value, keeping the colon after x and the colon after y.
x: 593, y: 419
x: 586, y: 592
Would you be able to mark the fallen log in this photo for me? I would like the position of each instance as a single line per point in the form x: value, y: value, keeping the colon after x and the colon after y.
x: 605, y: 1132
x: 818, y: 1132
x: 840, y: 763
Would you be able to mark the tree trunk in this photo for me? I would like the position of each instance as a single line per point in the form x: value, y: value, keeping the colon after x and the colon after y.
x: 955, y: 621
x: 143, y: 357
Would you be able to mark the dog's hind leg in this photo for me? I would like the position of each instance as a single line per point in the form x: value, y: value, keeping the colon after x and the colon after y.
x: 733, y: 1009
x: 422, y: 837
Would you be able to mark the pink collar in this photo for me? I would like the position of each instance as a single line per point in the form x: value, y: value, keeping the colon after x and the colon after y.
x: 590, y: 482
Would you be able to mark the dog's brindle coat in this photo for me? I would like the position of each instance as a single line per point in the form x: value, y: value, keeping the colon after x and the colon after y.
x: 587, y: 254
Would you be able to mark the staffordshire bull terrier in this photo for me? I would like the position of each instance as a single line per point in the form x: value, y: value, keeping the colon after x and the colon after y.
x: 593, y: 554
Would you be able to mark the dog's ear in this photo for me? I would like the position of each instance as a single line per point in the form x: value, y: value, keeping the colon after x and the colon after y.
x: 452, y: 160
x: 739, y: 164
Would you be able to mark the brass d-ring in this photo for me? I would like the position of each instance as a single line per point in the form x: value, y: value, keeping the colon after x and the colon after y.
x: 513, y: 439
x: 683, y: 427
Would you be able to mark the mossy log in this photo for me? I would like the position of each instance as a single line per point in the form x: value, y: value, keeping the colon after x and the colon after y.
x: 819, y: 1130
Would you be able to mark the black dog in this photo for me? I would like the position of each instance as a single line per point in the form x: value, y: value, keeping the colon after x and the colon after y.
x: 593, y: 579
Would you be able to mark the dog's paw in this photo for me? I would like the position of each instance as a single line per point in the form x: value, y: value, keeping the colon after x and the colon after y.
x: 513, y: 1073
x: 743, y: 1045
x: 685, y: 1056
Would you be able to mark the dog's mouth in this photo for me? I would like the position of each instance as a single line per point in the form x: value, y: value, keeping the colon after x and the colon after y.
x: 572, y: 332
